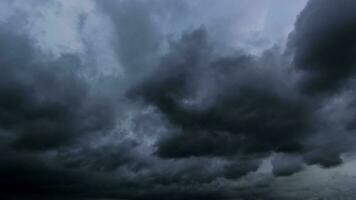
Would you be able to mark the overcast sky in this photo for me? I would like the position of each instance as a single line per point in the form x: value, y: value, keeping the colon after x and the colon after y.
x: 177, y: 99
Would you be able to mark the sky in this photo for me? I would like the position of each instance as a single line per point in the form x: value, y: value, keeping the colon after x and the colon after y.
x: 177, y: 99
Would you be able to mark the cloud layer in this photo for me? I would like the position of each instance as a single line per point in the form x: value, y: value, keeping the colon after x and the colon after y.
x: 145, y: 105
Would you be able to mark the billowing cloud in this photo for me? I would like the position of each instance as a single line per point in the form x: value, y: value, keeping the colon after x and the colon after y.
x: 44, y: 103
x: 324, y: 45
x: 176, y: 99
x: 217, y: 109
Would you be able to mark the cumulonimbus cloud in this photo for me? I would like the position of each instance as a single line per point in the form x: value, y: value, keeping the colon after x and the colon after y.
x: 189, y: 118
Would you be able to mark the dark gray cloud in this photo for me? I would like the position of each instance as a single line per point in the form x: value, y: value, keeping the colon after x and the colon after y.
x: 44, y: 106
x: 285, y: 165
x: 50, y: 120
x: 190, y: 117
x: 323, y: 49
x: 324, y: 45
x: 44, y: 103
x: 236, y: 117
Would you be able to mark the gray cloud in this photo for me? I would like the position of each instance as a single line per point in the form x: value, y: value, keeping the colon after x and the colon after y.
x: 239, y: 117
x: 44, y: 102
x: 192, y: 116
x: 326, y: 53
x: 285, y: 165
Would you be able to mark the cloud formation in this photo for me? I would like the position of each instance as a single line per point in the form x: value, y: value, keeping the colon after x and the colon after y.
x: 326, y: 52
x: 191, y: 115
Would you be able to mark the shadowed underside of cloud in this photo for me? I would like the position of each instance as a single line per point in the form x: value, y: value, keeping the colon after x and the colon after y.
x: 195, y: 122
x: 324, y: 45
x: 44, y: 104
x: 233, y: 115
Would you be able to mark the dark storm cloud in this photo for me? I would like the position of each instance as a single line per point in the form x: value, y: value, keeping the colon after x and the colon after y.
x: 48, y: 110
x: 106, y: 158
x: 199, y: 122
x: 285, y: 165
x: 48, y: 115
x: 44, y: 103
x: 238, y: 114
x: 324, y: 48
x: 218, y: 111
x: 324, y: 44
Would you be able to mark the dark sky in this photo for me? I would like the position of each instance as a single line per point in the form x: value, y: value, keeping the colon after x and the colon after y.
x: 177, y: 99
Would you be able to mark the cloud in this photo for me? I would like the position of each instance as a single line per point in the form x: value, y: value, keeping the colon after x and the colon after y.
x: 192, y: 116
x: 44, y: 106
x: 235, y: 115
x: 324, y: 45
x: 44, y: 102
x: 137, y: 39
x: 286, y: 165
